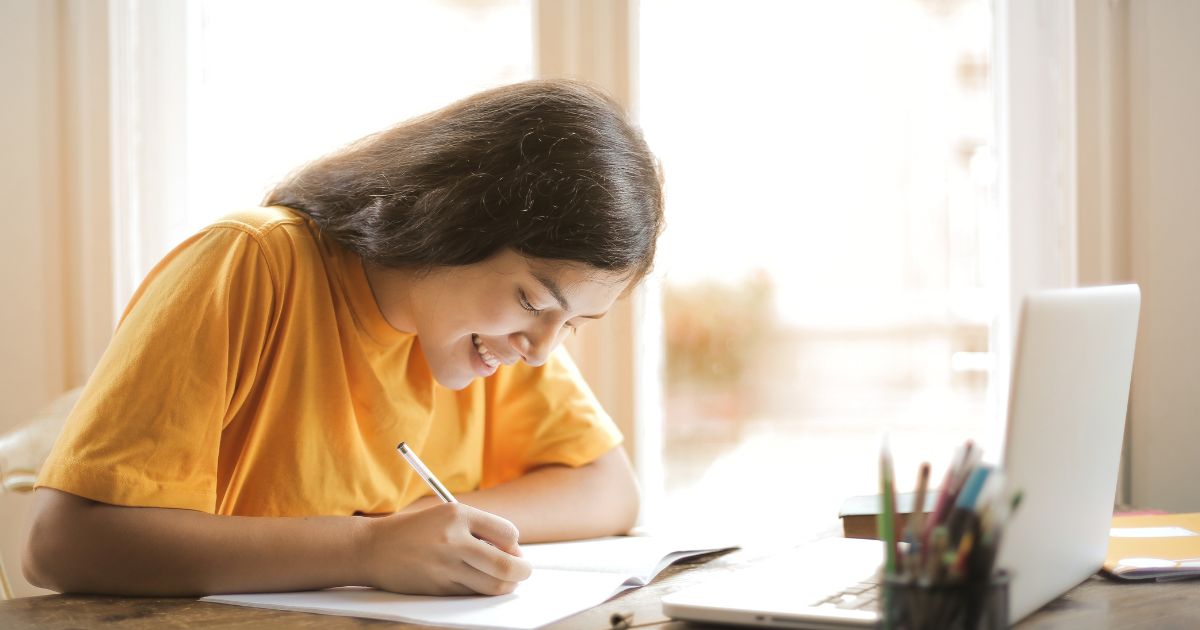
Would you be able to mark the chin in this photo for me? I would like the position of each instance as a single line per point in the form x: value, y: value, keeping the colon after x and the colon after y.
x: 452, y: 379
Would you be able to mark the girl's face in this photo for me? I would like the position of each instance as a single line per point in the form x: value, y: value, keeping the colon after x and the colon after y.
x: 508, y: 308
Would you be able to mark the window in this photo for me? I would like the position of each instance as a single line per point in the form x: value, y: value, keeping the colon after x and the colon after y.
x: 268, y: 85
x: 827, y: 267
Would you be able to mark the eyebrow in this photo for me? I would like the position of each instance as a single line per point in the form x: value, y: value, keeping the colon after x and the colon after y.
x: 550, y: 285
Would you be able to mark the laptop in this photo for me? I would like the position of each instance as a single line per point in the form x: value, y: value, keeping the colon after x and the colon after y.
x: 1066, y: 421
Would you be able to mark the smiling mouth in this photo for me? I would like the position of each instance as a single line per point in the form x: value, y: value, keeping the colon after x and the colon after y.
x: 485, y: 355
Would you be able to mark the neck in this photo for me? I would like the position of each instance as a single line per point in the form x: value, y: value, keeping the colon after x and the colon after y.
x: 392, y: 289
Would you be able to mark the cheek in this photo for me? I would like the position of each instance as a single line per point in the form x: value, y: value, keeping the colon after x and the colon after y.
x: 497, y: 316
x: 489, y: 320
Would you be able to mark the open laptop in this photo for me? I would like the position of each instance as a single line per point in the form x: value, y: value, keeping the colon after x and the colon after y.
x: 1066, y: 420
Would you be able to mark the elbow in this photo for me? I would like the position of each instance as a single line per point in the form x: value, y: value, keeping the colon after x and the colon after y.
x: 627, y: 504
x: 632, y: 506
x: 37, y: 559
x: 45, y: 559
x: 37, y: 569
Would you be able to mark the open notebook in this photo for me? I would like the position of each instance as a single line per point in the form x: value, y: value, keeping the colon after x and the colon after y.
x: 567, y: 578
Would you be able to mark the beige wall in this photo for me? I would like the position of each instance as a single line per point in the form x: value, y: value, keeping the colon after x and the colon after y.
x: 31, y: 337
x: 32, y: 269
x: 56, y: 250
x: 1164, y: 203
x: 1138, y: 190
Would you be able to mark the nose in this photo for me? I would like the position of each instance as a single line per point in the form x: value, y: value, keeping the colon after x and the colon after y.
x: 534, y: 346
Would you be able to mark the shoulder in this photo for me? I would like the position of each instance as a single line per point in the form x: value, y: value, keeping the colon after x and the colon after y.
x: 283, y: 237
x: 256, y: 247
x: 262, y: 223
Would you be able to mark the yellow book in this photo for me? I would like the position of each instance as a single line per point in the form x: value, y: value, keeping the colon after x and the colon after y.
x: 1154, y: 547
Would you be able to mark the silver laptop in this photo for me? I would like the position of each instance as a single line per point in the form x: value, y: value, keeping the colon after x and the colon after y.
x: 1066, y: 420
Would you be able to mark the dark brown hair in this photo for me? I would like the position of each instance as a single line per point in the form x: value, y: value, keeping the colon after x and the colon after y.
x: 552, y: 169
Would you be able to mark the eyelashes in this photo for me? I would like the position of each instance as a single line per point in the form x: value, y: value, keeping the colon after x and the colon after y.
x: 525, y: 304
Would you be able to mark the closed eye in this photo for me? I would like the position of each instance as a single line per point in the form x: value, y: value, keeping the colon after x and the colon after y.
x: 526, y: 305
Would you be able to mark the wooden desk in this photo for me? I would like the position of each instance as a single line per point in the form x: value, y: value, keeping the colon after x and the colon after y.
x: 1097, y: 603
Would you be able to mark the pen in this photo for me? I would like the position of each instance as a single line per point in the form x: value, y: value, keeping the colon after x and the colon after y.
x: 887, y: 521
x: 916, y: 519
x: 425, y: 473
x: 958, y: 567
x: 937, y: 547
x: 969, y: 496
x: 965, y: 505
x: 943, y: 499
x: 887, y: 526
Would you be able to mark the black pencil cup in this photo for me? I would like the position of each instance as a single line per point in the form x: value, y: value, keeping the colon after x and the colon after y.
x: 965, y: 605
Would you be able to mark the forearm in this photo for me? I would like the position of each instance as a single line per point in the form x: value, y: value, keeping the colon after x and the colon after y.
x: 87, y: 547
x: 563, y: 503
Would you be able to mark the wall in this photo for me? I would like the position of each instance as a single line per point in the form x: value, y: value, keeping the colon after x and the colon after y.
x: 56, y: 256
x: 1138, y: 148
x: 1164, y: 201
x: 31, y: 322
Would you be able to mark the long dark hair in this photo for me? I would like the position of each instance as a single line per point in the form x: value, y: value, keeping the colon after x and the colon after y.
x: 552, y: 169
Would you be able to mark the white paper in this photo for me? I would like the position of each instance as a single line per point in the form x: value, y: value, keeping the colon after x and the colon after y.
x: 567, y: 578
x: 634, y: 556
x: 1150, y: 532
x: 547, y: 596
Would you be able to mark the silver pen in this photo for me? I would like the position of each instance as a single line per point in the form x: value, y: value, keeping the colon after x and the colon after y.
x: 424, y: 473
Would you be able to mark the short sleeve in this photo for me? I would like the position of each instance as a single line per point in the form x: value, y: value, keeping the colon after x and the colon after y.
x: 542, y: 415
x: 147, y: 429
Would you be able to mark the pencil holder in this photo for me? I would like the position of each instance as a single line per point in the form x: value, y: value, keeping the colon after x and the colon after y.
x: 962, y: 605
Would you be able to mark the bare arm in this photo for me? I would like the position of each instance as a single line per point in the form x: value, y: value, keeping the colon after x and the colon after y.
x: 562, y: 503
x: 79, y: 545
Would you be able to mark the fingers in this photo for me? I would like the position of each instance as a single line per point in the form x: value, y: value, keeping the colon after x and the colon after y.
x: 483, y: 583
x: 495, y: 530
x: 496, y: 563
x: 449, y: 549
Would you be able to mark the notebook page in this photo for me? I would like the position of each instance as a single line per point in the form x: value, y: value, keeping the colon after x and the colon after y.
x: 567, y: 578
x: 547, y: 596
x: 640, y: 557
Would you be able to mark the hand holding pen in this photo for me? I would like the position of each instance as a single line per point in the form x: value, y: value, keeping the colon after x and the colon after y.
x: 448, y: 549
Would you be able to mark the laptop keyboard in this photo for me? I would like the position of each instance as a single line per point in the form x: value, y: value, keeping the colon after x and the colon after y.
x: 861, y: 596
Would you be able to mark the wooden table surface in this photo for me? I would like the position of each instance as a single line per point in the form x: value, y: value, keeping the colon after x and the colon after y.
x: 1097, y: 603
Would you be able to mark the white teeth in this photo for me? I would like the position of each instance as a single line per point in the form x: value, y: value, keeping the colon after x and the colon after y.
x: 489, y: 359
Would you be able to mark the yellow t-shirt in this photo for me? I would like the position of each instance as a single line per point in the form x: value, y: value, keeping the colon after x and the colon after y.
x: 253, y: 374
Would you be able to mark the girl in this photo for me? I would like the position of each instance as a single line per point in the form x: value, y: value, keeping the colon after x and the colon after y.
x: 411, y: 287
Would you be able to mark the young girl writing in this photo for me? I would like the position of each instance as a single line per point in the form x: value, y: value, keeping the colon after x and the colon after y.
x: 239, y: 433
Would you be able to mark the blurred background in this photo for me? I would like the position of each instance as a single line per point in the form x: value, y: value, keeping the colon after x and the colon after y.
x: 858, y: 194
